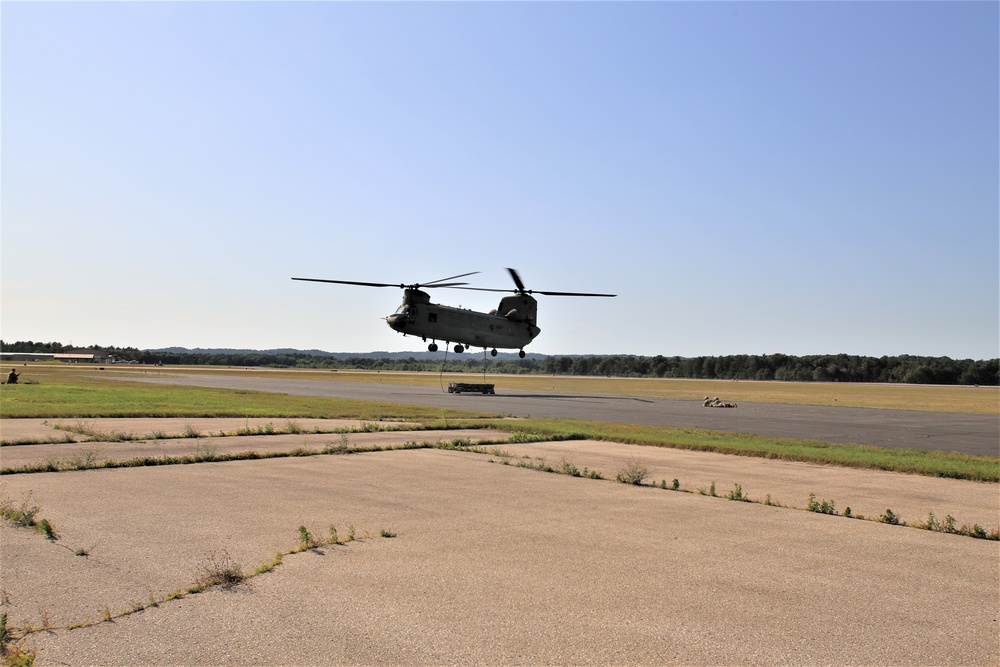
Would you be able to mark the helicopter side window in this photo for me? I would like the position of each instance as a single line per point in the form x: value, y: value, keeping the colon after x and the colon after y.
x: 432, y: 317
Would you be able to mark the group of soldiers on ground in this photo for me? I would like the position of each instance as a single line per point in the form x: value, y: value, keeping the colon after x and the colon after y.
x: 716, y: 403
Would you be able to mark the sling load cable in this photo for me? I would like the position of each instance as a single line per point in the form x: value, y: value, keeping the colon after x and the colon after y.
x: 443, y: 364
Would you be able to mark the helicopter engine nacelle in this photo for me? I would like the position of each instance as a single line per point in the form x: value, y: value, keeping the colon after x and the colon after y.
x: 520, y: 308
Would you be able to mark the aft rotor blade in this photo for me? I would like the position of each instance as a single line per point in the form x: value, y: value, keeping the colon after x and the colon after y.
x: 486, y: 289
x: 534, y: 291
x: 520, y: 288
x: 517, y: 279
x: 538, y: 291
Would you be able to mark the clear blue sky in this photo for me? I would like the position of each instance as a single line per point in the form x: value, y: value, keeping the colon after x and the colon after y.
x: 803, y: 178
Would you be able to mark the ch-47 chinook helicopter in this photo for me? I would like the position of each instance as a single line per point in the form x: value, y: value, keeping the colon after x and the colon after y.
x: 512, y: 325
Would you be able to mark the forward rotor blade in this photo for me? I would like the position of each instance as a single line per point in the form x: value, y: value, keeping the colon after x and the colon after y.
x: 397, y: 285
x: 434, y: 283
x: 351, y: 282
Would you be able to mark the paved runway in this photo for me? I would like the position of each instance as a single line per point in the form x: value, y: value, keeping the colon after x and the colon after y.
x: 909, y: 429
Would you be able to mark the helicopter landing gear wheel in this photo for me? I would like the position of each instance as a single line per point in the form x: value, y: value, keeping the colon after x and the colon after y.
x: 433, y: 347
x: 521, y: 354
x: 459, y: 349
x: 493, y: 352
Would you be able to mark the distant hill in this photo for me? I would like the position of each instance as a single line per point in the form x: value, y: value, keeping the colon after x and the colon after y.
x: 421, y: 355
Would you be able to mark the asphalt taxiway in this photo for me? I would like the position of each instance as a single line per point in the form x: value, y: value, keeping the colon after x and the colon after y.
x: 901, y: 429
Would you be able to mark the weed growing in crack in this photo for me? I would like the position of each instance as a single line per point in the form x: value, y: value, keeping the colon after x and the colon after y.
x: 632, y: 472
x: 306, y: 540
x: 267, y: 567
x: 821, y: 507
x: 737, y: 494
x: 343, y: 447
x: 569, y: 469
x: 204, y: 453
x: 45, y: 527
x: 267, y: 429
x: 220, y: 570
x: 13, y: 654
x: 23, y: 514
x: 890, y: 518
x: 85, y: 460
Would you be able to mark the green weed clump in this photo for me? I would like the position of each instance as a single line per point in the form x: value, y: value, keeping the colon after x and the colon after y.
x: 890, y: 518
x: 45, y: 527
x: 737, y: 494
x: 568, y: 468
x: 949, y: 525
x: 821, y: 507
x: 270, y: 565
x: 306, y: 540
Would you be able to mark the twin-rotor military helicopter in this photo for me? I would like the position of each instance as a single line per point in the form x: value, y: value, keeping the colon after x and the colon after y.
x: 512, y: 325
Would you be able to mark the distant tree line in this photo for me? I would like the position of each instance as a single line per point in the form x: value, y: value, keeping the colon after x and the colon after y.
x: 813, y: 368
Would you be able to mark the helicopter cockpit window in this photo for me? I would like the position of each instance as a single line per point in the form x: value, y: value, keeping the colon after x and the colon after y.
x: 403, y: 310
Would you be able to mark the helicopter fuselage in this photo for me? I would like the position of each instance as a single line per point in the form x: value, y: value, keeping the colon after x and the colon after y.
x: 511, y: 326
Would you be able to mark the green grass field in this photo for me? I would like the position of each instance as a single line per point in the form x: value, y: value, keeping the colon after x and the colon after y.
x: 64, y: 392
